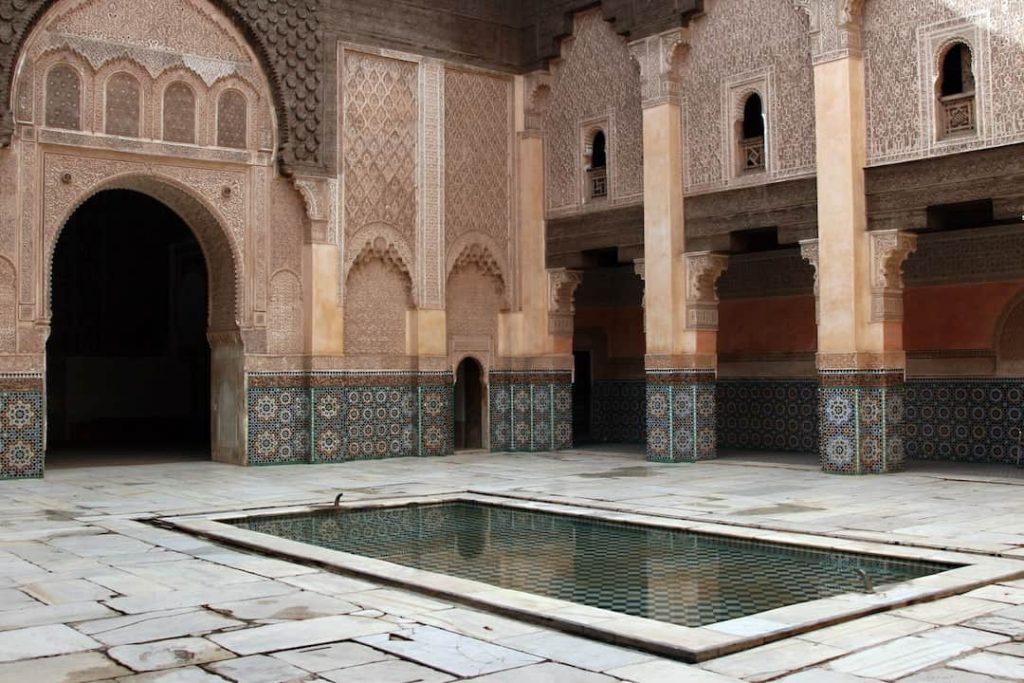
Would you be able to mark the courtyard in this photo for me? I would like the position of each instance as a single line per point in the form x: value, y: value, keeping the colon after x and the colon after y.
x: 92, y: 590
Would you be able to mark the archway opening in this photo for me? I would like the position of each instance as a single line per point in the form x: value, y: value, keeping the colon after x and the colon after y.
x: 469, y: 405
x: 128, y: 362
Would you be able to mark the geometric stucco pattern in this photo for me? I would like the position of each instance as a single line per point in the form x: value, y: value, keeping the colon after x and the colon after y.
x: 595, y: 78
x: 286, y: 36
x: 380, y: 144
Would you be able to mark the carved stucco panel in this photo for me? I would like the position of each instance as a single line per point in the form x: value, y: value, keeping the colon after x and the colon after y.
x: 8, y: 307
x: 902, y: 41
x: 734, y: 39
x: 478, y: 150
x: 379, y: 147
x: 259, y: 236
x: 285, y: 325
x: 8, y: 204
x: 595, y: 77
x: 29, y: 217
x: 288, y: 221
x: 377, y: 300
x: 430, y: 232
x: 473, y: 301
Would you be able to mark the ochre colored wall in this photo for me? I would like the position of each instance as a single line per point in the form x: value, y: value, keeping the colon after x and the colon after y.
x: 767, y: 325
x: 624, y: 328
x: 955, y: 316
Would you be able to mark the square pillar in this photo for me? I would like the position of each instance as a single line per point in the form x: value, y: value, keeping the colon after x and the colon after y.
x: 862, y: 421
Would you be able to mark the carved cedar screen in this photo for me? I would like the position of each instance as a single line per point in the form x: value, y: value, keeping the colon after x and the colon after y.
x: 231, y: 120
x: 122, y: 110
x: 179, y: 114
x: 63, y: 98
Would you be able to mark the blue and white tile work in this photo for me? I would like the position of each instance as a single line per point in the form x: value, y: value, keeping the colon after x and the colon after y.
x: 680, y: 415
x: 767, y: 415
x: 530, y: 411
x: 22, y: 424
x: 340, y: 416
x: 968, y: 420
x: 618, y: 411
x: 862, y: 421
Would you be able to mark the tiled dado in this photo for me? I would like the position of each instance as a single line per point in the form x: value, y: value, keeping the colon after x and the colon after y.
x: 862, y: 420
x: 767, y: 415
x: 339, y: 416
x: 618, y: 411
x: 968, y: 419
x: 21, y: 426
x: 680, y: 415
x: 530, y: 411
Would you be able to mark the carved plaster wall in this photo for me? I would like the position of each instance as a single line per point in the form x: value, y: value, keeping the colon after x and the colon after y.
x: 594, y: 79
x: 377, y: 300
x: 902, y: 42
x: 735, y: 49
x: 473, y: 300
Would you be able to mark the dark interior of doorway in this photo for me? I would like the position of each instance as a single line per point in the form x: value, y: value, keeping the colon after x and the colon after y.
x: 582, y: 388
x: 128, y: 363
x: 469, y: 397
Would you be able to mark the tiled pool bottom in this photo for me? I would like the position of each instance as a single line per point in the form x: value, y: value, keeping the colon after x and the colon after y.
x: 668, y: 575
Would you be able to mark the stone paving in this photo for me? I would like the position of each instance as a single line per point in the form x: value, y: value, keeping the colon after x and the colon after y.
x: 89, y: 591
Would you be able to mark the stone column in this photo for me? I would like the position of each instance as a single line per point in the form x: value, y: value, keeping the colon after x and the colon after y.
x: 680, y: 305
x: 861, y: 362
x: 324, y: 316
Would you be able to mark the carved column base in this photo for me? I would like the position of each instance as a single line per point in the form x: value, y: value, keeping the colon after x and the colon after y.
x: 680, y: 415
x: 861, y: 421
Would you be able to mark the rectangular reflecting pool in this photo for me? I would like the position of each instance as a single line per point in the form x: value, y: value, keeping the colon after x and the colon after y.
x: 669, y: 575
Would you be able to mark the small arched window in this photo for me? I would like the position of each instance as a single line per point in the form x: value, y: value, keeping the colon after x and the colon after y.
x: 751, y: 135
x: 231, y: 119
x: 956, y: 84
x: 597, y: 165
x: 63, y: 98
x: 122, y: 107
x: 179, y: 113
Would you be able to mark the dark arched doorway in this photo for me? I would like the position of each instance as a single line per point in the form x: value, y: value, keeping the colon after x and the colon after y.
x: 128, y: 363
x: 469, y: 400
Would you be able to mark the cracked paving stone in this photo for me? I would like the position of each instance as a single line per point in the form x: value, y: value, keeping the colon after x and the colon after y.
x: 260, y: 669
x: 168, y: 654
x: 82, y: 667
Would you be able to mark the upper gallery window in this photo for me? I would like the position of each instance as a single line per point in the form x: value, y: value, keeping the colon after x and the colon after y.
x: 957, y: 111
x: 63, y: 98
x: 751, y: 138
x: 122, y: 106
x: 597, y: 168
x: 231, y: 119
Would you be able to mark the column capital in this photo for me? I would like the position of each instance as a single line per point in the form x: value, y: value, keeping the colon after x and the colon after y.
x: 562, y: 284
x: 320, y: 198
x: 889, y: 251
x: 658, y: 57
x: 703, y: 268
x: 809, y: 252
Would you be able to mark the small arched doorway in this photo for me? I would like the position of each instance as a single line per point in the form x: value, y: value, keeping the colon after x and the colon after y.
x: 128, y: 362
x: 469, y: 405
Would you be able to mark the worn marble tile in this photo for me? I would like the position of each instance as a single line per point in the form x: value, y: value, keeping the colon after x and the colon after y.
x: 949, y: 610
x: 824, y: 676
x: 43, y: 641
x: 296, y: 634
x: 450, y: 652
x: 53, y: 614
x: 159, y: 627
x: 577, y: 652
x: 664, y: 670
x: 298, y: 605
x: 330, y: 657
x: 81, y: 667
x: 773, y: 660
x: 396, y: 602
x: 997, y: 624
x: 74, y: 590
x: 260, y: 669
x: 100, y: 545
x: 197, y: 597
x: 329, y: 584
x: 866, y: 631
x: 14, y: 599
x: 966, y: 636
x: 1005, y: 666
x: 190, y: 674
x: 264, y: 566
x: 945, y: 675
x: 548, y: 672
x: 1015, y: 649
x: 168, y: 654
x: 898, y: 658
x: 391, y: 671
x: 476, y: 624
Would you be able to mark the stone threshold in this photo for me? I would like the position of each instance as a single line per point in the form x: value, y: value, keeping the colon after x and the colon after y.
x: 689, y: 644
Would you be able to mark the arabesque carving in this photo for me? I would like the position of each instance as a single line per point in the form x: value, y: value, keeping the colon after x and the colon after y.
x: 889, y: 251
x: 703, y: 268
x: 562, y: 285
x: 658, y: 58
